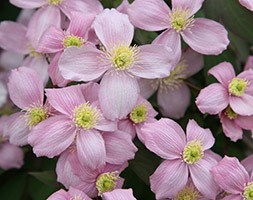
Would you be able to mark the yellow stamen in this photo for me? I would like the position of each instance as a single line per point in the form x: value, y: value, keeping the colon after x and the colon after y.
x: 106, y: 182
x: 230, y: 113
x: 35, y: 115
x: 248, y: 192
x: 73, y: 40
x: 139, y: 114
x: 55, y: 2
x: 193, y: 152
x: 237, y: 86
x: 188, y: 193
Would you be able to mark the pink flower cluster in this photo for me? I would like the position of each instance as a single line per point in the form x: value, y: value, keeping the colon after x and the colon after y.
x: 79, y: 85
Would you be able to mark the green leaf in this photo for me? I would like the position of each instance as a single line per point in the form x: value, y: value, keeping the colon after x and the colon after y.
x: 46, y: 177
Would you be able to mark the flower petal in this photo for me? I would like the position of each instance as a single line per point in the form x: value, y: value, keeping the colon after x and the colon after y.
x: 25, y: 88
x: 195, y: 132
x: 65, y: 100
x: 3, y: 94
x: 230, y: 175
x: 60, y: 195
x: 81, y: 64
x: 119, y: 147
x: 28, y: 4
x: 206, y: 37
x: 10, y: 60
x: 77, y: 193
x: 247, y: 3
x: 165, y: 138
x: 223, y: 72
x: 119, y: 194
x: 113, y: 29
x: 115, y: 88
x: 52, y: 136
x: 91, y: 149
x: 247, y: 163
x: 148, y: 87
x: 169, y: 104
x: 242, y: 105
x: 149, y: 15
x: 191, y: 5
x: 166, y: 184
x: 212, y: 99
x: 154, y: 61
x: 13, y: 37
x: 245, y: 122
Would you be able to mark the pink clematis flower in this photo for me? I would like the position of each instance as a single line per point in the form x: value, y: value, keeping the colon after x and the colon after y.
x: 185, y: 155
x: 71, y: 194
x: 80, y: 121
x: 26, y: 92
x: 55, y: 40
x: 121, y: 62
x: 233, y: 91
x: 202, y: 35
x: 232, y: 177
x: 247, y: 4
x: 142, y: 113
x: 98, y: 181
x: 173, y: 96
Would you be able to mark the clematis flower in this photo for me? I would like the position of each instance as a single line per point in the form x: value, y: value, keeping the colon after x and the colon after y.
x: 98, y: 181
x: 173, y: 87
x: 26, y: 92
x: 202, y: 35
x: 55, y: 40
x: 11, y: 156
x: 233, y: 91
x: 233, y: 123
x: 121, y: 62
x: 71, y: 194
x: 232, y: 177
x: 247, y: 4
x: 184, y: 156
x: 80, y: 122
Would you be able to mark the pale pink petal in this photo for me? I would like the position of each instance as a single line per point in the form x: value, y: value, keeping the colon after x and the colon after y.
x: 119, y: 194
x: 89, y: 188
x: 59, y: 195
x: 212, y: 99
x: 51, y: 41
x: 242, y: 105
x: 13, y: 37
x: 65, y: 100
x: 115, y: 88
x: 10, y: 60
x: 25, y: 88
x: 202, y: 177
x: 230, y: 175
x: 169, y: 178
x: 106, y: 125
x: 52, y: 136
x: 247, y: 3
x: 230, y: 129
x: 119, y: 147
x: 165, y: 138
x: 3, y: 94
x: 123, y: 7
x: 25, y: 15
x: 17, y: 130
x: 171, y: 39
x: 138, y: 129
x: 90, y: 91
x: 249, y: 63
x: 84, y: 6
x: 148, y: 87
x: 41, y: 20
x: 191, y: 5
x: 193, y: 60
x: 11, y: 156
x: 64, y: 171
x: 39, y: 64
x: 174, y: 102
x: 150, y: 15
x: 248, y: 76
x: 206, y: 37
x: 195, y: 132
x: 82, y: 64
x: 127, y: 126
x: 223, y: 72
x: 233, y: 197
x: 154, y: 61
x: 245, y: 122
x: 28, y: 4
x: 77, y: 193
x: 151, y: 111
x: 113, y: 32
x: 80, y: 23
x: 247, y: 163
x: 91, y: 148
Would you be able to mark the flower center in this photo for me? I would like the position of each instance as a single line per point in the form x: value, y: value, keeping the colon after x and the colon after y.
x: 106, y: 182
x: 237, y: 86
x: 73, y: 40
x: 139, y: 114
x: 230, y: 113
x: 248, y: 192
x: 188, y: 193
x: 176, y: 77
x: 86, y: 116
x: 193, y: 152
x: 33, y: 52
x: 123, y: 56
x: 35, y: 115
x: 180, y: 19
x: 55, y: 2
